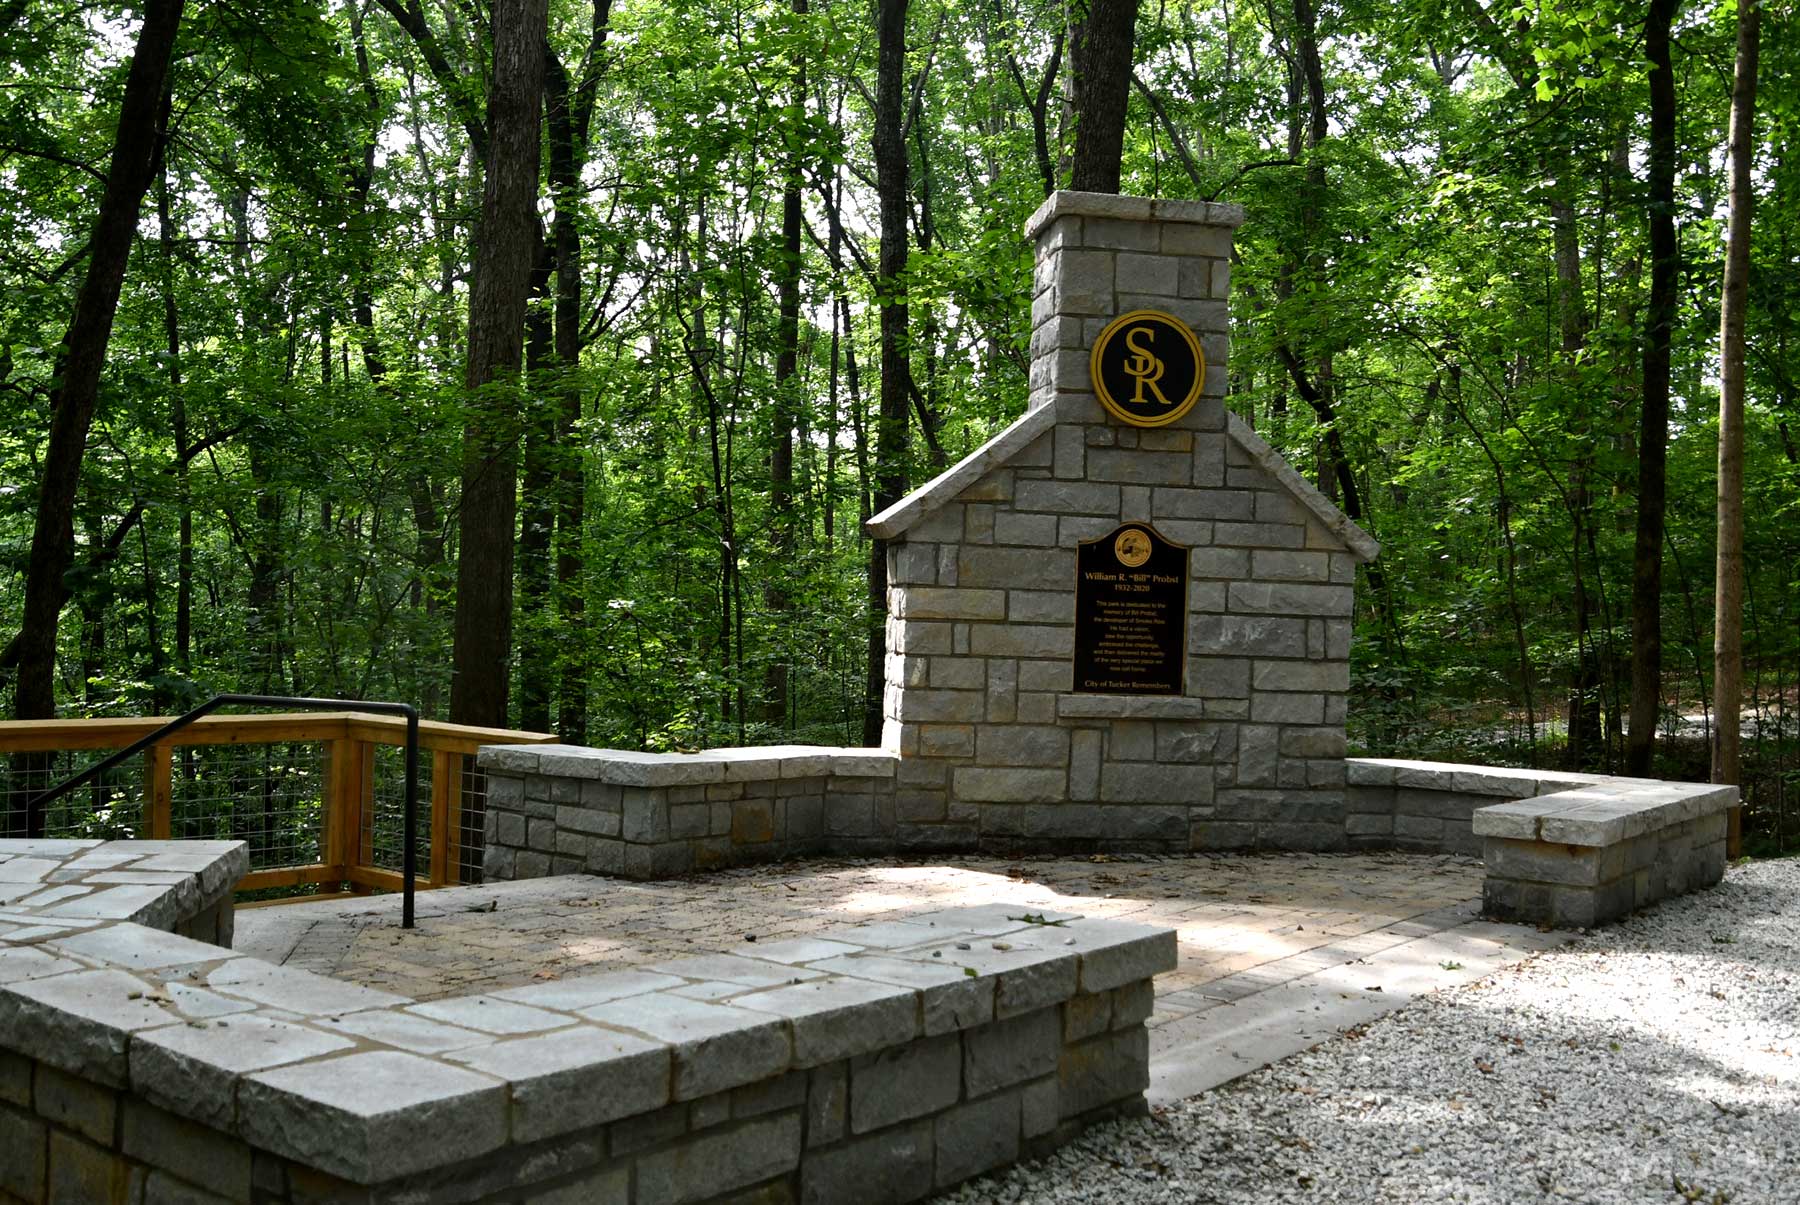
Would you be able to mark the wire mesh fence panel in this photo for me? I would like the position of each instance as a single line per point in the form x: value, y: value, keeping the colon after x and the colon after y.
x: 109, y: 809
x: 471, y: 837
x: 269, y: 796
x: 384, y: 820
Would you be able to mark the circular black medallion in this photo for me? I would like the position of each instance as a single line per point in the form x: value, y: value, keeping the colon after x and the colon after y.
x: 1147, y: 368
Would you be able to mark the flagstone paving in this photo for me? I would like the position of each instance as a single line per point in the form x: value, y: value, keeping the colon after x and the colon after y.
x: 1245, y: 921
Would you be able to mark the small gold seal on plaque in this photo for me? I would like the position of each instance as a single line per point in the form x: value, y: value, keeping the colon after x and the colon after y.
x: 1147, y: 368
x: 1132, y: 547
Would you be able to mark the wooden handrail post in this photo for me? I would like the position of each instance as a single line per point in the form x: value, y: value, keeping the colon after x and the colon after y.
x: 159, y: 790
x: 343, y: 809
x: 445, y: 771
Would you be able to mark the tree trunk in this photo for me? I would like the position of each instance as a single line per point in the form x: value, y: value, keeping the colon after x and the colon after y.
x: 82, y: 356
x: 1728, y: 602
x: 537, y: 511
x: 787, y: 362
x: 891, y: 425
x: 184, y: 545
x: 1100, y: 62
x: 504, y: 249
x: 1653, y: 423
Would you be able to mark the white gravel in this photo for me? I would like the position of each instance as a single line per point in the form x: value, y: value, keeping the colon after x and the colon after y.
x: 1655, y: 1060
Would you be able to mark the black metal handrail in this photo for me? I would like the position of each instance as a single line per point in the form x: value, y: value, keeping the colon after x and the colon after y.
x: 34, y: 808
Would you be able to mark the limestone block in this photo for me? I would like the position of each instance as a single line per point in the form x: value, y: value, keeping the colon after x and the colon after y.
x: 23, y: 1141
x: 714, y: 1047
x: 1114, y: 953
x: 1002, y: 690
x: 1281, y: 565
x: 1009, y: 785
x: 374, y: 1115
x: 1267, y: 707
x: 1259, y: 535
x: 837, y: 1018
x: 1131, y: 740
x: 977, y: 1137
x: 1067, y: 498
x: 1213, y: 242
x: 1253, y: 635
x: 1011, y: 1051
x: 1022, y: 745
x: 937, y: 602
x: 880, y: 1169
x: 709, y: 1165
x: 1200, y: 504
x: 1141, y: 782
x: 82, y: 1022
x: 552, y: 1076
x: 950, y: 1000
x: 198, y: 1155
x: 1265, y: 598
x: 943, y: 706
x: 1084, y: 764
x: 1136, y: 468
x: 947, y: 740
x: 72, y: 1102
x: 1032, y: 530
x: 911, y: 563
x: 1073, y: 530
x: 1084, y: 281
x: 1313, y: 742
x: 1042, y: 606
x: 1195, y: 276
x: 1104, y: 1070
x: 1232, y: 564
x: 1123, y: 233
x: 1071, y: 447
x: 194, y: 1068
x: 1016, y: 640
x: 1184, y: 743
x: 901, y: 1083
x: 1003, y: 568
x: 1219, y: 677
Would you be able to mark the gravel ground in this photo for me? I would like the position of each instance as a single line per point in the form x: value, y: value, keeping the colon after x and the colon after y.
x: 1656, y: 1060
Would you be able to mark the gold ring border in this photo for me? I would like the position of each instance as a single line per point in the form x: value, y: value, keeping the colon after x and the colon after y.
x: 1099, y: 382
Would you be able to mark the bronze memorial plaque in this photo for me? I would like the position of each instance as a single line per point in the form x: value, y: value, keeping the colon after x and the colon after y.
x: 1130, y: 614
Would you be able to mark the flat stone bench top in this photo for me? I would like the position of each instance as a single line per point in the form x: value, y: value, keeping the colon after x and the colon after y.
x: 1605, y: 813
x: 369, y: 1085
x: 53, y: 886
x: 1552, y: 805
x: 627, y: 768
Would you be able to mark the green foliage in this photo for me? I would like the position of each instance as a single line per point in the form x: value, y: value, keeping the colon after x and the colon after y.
x: 321, y: 315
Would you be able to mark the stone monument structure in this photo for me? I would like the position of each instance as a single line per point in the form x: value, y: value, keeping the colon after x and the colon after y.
x: 1039, y: 690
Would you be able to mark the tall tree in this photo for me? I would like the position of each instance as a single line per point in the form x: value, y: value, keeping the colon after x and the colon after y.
x: 1100, y: 61
x: 82, y: 355
x: 1728, y: 601
x: 896, y: 371
x: 1653, y: 421
x: 787, y: 365
x: 505, y: 247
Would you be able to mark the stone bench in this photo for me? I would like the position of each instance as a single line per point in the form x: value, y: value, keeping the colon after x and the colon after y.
x: 1591, y: 854
x: 566, y: 809
x: 139, y: 1064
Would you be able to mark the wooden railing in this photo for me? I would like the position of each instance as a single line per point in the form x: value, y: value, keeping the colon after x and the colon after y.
x: 316, y: 796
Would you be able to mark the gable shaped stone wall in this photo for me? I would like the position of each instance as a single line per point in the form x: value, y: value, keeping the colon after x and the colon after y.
x: 996, y: 749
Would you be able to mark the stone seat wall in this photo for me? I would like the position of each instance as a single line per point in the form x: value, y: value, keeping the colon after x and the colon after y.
x: 137, y: 1065
x: 563, y: 809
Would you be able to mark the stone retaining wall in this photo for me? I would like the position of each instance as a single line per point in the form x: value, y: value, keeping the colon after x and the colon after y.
x: 562, y: 809
x: 889, y: 1059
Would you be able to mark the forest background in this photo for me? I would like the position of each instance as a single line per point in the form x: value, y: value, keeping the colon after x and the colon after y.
x: 304, y: 447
